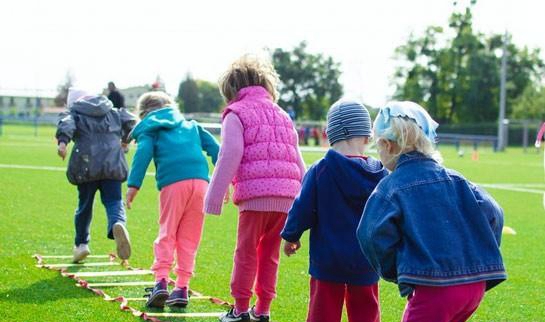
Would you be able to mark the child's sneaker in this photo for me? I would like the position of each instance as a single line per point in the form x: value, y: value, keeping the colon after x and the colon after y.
x: 122, y: 241
x: 178, y: 298
x: 158, y: 294
x: 258, y: 318
x: 232, y: 317
x: 81, y: 252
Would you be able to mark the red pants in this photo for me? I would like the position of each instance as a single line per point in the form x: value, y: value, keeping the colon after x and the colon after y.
x: 326, y: 302
x: 444, y: 304
x: 256, y: 258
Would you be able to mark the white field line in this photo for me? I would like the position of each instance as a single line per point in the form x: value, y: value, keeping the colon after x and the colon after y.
x: 46, y: 168
x: 79, y: 265
x: 71, y: 256
x: 510, y: 188
x: 185, y: 315
x: 119, y: 284
x: 517, y: 187
x: 112, y: 273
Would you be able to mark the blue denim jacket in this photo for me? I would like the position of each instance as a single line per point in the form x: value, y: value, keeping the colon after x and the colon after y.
x: 427, y: 225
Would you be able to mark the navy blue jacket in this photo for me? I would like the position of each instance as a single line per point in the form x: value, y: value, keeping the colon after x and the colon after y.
x: 330, y: 204
x: 427, y: 225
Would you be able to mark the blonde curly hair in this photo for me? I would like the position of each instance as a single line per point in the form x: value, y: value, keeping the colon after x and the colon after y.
x: 152, y: 101
x: 249, y: 70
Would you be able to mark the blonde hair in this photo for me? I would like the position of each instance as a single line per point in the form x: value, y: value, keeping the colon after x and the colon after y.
x: 409, y: 137
x: 249, y: 70
x: 152, y: 101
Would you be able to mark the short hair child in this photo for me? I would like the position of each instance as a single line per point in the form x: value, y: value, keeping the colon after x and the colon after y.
x: 427, y: 228
x: 330, y: 204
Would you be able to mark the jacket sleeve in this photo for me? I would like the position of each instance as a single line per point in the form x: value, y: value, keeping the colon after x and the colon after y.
x: 491, y: 210
x: 379, y: 235
x: 141, y: 160
x: 66, y: 127
x: 303, y: 214
x: 209, y: 144
x: 128, y: 121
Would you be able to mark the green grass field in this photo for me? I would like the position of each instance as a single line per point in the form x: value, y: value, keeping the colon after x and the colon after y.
x: 36, y: 216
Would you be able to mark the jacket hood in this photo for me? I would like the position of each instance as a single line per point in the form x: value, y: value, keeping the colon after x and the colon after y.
x: 349, y: 173
x: 164, y: 118
x: 92, y: 106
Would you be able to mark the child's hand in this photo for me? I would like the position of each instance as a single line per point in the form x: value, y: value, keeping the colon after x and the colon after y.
x: 131, y: 194
x: 227, y: 195
x: 61, y: 150
x: 291, y: 248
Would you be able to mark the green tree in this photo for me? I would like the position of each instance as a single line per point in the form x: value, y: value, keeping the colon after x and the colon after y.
x: 210, y: 99
x: 531, y: 104
x: 309, y: 82
x: 188, y: 95
x: 457, y: 77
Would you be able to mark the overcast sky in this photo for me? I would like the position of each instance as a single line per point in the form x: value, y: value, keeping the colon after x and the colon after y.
x: 131, y: 42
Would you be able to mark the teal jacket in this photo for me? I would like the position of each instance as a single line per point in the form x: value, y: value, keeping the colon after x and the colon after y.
x: 175, y: 145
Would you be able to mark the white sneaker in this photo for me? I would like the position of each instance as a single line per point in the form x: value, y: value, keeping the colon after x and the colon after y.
x: 122, y: 241
x: 81, y: 252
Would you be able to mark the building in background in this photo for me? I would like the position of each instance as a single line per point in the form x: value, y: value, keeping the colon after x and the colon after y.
x: 25, y: 103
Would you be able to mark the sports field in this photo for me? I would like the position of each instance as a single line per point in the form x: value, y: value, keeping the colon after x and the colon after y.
x: 36, y: 216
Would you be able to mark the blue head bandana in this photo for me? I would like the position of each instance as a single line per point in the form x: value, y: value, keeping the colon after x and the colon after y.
x: 405, y: 109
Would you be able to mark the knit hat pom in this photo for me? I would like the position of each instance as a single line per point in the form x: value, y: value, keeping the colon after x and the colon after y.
x: 75, y: 94
x: 346, y: 120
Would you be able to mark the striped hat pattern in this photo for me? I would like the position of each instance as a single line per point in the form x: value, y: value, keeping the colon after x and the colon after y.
x: 347, y: 119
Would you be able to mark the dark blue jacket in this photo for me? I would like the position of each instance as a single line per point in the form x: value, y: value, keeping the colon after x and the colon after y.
x: 427, y: 225
x: 330, y: 204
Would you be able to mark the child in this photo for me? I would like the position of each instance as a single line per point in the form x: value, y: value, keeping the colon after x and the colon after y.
x: 330, y: 204
x: 259, y: 153
x: 425, y: 227
x: 176, y: 146
x: 97, y: 162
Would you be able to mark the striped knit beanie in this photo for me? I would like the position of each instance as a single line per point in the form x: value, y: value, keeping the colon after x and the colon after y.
x: 346, y: 120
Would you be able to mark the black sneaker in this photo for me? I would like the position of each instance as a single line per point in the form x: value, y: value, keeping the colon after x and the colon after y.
x: 258, y: 318
x: 231, y: 317
x: 178, y: 298
x: 158, y: 295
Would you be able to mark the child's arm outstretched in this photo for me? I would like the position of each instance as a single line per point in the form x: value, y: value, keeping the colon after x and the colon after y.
x: 230, y: 155
x: 140, y: 163
x: 209, y: 144
x: 66, y: 128
x: 302, y: 215
x: 379, y: 235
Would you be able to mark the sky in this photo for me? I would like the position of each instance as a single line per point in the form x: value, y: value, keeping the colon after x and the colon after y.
x: 131, y: 42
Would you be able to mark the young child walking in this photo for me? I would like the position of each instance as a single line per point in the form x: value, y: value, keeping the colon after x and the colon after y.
x: 260, y: 155
x: 425, y: 227
x: 97, y: 162
x: 330, y: 204
x: 176, y: 146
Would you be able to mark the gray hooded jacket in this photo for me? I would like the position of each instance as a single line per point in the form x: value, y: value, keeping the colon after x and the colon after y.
x: 97, y: 130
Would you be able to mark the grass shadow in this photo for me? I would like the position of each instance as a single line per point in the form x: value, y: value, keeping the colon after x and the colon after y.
x: 50, y: 290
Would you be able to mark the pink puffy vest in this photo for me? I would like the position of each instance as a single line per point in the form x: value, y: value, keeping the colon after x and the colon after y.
x: 269, y: 162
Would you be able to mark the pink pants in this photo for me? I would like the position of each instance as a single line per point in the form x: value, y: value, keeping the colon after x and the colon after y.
x: 256, y: 259
x: 326, y: 302
x: 444, y: 304
x: 180, y: 229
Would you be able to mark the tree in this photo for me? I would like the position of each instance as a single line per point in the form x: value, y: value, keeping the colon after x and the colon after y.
x: 531, y: 104
x: 309, y: 82
x: 62, y: 89
x: 199, y: 96
x: 188, y: 95
x: 210, y: 99
x: 457, y: 77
